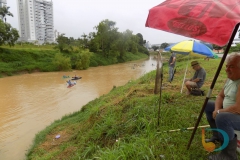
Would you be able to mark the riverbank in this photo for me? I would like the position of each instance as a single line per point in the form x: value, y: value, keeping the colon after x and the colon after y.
x: 30, y: 59
x: 123, y: 124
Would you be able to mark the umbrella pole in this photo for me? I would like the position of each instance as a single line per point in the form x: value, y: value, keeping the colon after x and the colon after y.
x: 185, y: 74
x: 213, y: 83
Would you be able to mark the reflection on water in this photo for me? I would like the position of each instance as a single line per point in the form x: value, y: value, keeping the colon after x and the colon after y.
x: 31, y: 102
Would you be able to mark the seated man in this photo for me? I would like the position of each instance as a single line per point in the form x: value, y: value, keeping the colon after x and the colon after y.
x: 224, y: 113
x: 69, y: 82
x: 198, y: 78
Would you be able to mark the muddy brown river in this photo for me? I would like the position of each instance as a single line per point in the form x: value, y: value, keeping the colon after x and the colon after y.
x: 30, y: 102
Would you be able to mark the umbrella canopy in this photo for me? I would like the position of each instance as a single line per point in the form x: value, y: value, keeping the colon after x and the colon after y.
x: 193, y: 48
x: 206, y: 20
x: 208, y: 44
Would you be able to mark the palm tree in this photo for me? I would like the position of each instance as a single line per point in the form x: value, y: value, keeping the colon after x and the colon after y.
x: 4, y: 12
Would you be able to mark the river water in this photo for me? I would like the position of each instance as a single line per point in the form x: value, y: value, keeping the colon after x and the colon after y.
x: 30, y: 102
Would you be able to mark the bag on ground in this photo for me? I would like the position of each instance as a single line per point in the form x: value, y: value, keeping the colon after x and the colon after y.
x: 197, y: 92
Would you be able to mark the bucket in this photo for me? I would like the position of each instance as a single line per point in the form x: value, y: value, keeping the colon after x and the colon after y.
x: 238, y: 140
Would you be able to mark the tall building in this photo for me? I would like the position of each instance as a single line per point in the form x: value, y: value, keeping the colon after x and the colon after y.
x: 2, y: 3
x: 36, y: 21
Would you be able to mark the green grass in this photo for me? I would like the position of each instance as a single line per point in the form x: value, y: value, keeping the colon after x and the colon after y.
x: 123, y: 125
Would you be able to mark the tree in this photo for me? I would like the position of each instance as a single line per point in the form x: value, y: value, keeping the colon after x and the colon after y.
x: 93, y: 44
x: 4, y: 12
x: 84, y: 41
x: 140, y: 41
x: 155, y: 47
x: 106, y: 34
x: 8, y: 34
x: 216, y: 47
x: 134, y: 39
x: 63, y: 43
x: 164, y: 45
x: 234, y: 48
x: 122, y: 44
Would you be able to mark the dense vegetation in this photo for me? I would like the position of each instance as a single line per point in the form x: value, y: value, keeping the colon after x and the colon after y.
x: 29, y: 58
x: 124, y: 123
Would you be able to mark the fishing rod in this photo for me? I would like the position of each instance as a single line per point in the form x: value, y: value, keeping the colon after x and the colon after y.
x: 184, y: 129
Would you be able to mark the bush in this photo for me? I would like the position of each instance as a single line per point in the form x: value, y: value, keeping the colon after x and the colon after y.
x: 93, y: 63
x: 143, y: 50
x: 83, y: 60
x: 61, y: 62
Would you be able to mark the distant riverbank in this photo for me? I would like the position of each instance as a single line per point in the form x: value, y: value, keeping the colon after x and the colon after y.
x: 20, y: 60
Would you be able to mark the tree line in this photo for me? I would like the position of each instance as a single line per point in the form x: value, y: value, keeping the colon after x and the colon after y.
x: 107, y: 40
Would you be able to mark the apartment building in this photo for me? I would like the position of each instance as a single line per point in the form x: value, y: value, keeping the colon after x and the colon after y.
x: 3, y: 3
x: 36, y: 21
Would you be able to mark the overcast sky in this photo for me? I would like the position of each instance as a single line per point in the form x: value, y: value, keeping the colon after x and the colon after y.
x: 76, y: 17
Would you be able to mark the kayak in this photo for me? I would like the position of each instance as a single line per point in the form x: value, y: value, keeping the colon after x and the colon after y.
x: 65, y: 76
x: 76, y: 78
x: 71, y: 85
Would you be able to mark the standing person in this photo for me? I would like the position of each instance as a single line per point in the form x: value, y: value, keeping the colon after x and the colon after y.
x: 224, y: 113
x: 171, y: 63
x: 198, y: 78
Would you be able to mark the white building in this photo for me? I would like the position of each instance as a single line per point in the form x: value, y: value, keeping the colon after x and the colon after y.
x: 36, y: 21
x: 235, y: 42
x: 2, y: 3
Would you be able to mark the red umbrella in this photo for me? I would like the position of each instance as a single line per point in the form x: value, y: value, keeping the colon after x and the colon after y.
x: 211, y: 21
x: 206, y: 20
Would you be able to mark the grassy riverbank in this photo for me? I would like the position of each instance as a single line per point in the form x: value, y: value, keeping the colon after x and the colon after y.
x: 30, y: 58
x: 124, y: 123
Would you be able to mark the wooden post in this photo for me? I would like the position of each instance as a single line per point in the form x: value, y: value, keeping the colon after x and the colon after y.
x: 158, y: 83
x: 157, y: 78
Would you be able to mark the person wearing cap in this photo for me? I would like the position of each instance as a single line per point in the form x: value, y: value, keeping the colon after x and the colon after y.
x: 224, y: 113
x: 198, y: 78
x: 171, y: 64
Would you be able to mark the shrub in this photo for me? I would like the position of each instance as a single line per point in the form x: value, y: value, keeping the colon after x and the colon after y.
x: 61, y: 62
x: 93, y: 63
x: 83, y: 60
